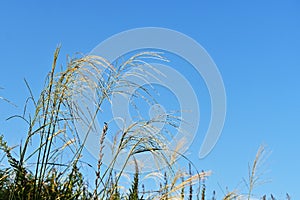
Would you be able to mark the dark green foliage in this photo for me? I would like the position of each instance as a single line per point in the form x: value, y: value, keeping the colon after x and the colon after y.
x: 134, y: 190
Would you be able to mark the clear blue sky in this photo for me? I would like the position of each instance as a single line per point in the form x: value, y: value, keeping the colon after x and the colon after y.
x: 255, y: 44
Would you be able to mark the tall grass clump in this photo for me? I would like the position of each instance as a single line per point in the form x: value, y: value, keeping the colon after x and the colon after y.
x: 49, y: 162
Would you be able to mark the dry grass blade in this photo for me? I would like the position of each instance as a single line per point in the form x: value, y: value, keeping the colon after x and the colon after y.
x: 231, y: 196
x: 254, y: 175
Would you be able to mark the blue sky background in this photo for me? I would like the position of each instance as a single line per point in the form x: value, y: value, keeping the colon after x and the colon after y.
x: 255, y: 45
